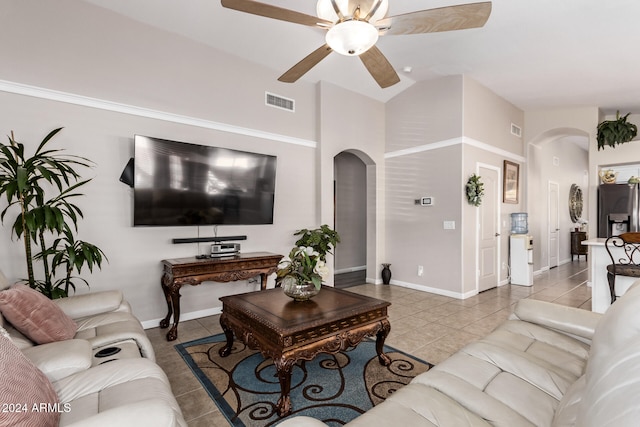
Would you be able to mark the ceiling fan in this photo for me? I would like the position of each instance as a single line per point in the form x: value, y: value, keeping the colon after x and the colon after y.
x: 353, y: 27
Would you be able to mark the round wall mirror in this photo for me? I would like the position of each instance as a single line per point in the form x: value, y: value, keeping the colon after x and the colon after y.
x: 575, y: 203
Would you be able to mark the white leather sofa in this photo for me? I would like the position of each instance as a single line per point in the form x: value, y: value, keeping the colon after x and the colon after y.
x: 549, y: 365
x: 64, y: 383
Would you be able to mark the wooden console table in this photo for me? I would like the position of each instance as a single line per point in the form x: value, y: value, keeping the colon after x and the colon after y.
x: 577, y: 248
x: 193, y: 271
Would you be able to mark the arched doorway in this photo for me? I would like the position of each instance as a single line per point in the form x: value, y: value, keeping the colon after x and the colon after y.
x: 558, y: 158
x: 354, y: 176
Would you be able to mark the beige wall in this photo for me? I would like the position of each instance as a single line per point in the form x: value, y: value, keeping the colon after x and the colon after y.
x: 488, y: 118
x: 429, y: 112
x: 437, y: 134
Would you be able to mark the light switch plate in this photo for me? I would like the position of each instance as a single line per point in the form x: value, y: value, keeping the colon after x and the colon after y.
x: 427, y: 201
x: 449, y: 225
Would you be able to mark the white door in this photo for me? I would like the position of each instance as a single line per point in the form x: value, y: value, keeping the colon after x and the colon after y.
x: 554, y: 224
x: 489, y: 229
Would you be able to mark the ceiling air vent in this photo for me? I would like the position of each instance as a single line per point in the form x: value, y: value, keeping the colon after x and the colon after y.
x: 280, y: 102
x: 516, y: 130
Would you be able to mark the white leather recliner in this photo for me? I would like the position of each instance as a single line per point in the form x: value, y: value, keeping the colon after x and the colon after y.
x: 103, y: 318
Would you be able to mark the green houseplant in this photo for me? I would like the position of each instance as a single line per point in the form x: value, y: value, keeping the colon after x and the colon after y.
x: 46, y: 222
x: 616, y: 132
x: 302, y: 273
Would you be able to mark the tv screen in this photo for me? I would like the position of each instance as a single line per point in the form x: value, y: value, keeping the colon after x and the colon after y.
x: 177, y: 183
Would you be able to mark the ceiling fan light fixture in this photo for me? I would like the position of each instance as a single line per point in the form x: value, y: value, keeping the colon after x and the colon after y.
x: 352, y: 38
x: 324, y: 10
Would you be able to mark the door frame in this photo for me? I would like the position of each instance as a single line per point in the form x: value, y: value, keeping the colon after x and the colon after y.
x: 498, y: 198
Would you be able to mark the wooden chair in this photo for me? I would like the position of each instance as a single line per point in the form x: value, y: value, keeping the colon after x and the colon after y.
x: 625, y: 262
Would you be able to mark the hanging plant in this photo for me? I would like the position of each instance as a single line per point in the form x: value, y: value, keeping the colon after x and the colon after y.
x: 475, y: 190
x: 616, y: 132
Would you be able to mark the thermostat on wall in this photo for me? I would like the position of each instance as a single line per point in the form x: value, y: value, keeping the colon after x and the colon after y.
x: 426, y: 201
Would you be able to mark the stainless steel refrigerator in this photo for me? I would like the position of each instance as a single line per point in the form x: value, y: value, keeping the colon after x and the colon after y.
x: 618, y: 209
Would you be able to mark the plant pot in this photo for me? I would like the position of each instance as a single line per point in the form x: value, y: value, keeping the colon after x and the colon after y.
x: 299, y: 292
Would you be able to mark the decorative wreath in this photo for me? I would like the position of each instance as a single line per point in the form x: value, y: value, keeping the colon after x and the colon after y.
x: 475, y: 190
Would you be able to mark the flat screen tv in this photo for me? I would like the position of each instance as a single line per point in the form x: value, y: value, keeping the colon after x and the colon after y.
x: 177, y: 183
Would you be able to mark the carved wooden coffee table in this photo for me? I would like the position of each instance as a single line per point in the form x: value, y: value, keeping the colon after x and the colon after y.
x: 287, y: 331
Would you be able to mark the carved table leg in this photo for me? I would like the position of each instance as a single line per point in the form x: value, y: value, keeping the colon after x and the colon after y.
x: 228, y: 333
x: 263, y: 281
x: 380, y: 337
x: 174, y: 295
x: 284, y: 367
x: 164, y: 282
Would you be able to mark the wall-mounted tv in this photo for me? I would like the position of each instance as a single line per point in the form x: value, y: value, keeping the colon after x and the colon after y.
x: 178, y: 183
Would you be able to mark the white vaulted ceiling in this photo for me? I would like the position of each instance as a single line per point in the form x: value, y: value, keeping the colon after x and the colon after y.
x: 537, y: 54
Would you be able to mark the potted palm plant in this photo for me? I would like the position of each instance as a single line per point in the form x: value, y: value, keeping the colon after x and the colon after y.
x: 48, y: 223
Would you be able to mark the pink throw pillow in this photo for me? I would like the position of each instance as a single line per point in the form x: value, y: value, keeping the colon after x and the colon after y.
x: 35, y: 315
x: 27, y: 396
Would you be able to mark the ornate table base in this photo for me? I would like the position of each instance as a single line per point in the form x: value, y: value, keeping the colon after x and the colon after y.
x: 287, y: 331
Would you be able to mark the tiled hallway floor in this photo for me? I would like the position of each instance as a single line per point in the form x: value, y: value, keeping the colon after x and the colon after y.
x: 426, y: 325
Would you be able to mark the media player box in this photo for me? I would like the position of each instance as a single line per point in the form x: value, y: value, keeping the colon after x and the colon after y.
x: 224, y: 249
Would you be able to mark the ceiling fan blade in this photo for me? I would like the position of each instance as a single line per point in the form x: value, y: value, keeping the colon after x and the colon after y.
x: 379, y: 67
x: 448, y: 18
x: 275, y: 12
x: 307, y: 63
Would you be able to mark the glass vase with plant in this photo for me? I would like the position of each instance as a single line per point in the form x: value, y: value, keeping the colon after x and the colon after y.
x: 303, y: 272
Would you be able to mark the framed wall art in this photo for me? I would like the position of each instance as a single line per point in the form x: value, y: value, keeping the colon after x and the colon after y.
x: 510, y: 184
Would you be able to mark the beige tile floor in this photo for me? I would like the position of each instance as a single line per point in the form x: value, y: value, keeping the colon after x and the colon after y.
x: 428, y: 326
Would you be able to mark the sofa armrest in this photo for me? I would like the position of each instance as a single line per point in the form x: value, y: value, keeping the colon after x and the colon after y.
x: 302, y: 422
x: 84, y: 305
x: 107, y: 375
x: 153, y: 412
x: 569, y: 320
x: 60, y: 359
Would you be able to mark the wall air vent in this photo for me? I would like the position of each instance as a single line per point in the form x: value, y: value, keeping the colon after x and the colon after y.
x: 516, y: 130
x: 280, y: 102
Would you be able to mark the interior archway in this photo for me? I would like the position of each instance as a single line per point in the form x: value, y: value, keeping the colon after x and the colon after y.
x: 559, y: 156
x: 354, y: 218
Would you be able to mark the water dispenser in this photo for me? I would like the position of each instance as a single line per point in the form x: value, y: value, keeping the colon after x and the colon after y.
x: 519, y: 223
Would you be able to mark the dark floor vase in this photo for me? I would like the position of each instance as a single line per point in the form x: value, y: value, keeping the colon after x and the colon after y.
x: 386, y: 274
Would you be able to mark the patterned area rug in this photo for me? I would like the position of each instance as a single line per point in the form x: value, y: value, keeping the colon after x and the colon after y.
x: 334, y: 388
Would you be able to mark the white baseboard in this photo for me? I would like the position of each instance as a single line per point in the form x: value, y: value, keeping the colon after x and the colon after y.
x: 350, y: 269
x: 437, y: 291
x: 154, y: 323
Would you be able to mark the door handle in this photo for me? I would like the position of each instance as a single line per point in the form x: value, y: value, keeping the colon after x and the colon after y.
x: 497, y: 234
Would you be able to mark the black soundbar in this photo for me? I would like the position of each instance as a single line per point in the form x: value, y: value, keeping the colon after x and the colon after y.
x: 209, y: 239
